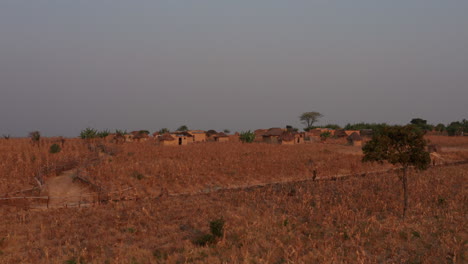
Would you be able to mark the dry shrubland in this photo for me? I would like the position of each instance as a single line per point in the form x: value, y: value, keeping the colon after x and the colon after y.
x: 357, y: 220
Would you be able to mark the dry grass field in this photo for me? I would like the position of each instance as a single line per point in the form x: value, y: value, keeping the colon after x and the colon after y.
x: 180, y: 190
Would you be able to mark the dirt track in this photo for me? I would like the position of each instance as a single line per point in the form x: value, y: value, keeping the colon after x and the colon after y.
x: 64, y: 190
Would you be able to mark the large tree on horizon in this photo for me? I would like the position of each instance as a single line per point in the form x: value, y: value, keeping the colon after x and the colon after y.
x: 309, y: 118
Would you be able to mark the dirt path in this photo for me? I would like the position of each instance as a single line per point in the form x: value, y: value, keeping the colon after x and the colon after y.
x: 66, y: 190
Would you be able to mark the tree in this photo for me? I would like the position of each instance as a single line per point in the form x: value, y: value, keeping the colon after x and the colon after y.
x: 163, y: 131
x: 455, y: 129
x: 403, y: 145
x: 440, y: 127
x: 421, y: 124
x: 309, y: 118
x: 183, y: 128
x: 227, y: 131
x: 418, y: 121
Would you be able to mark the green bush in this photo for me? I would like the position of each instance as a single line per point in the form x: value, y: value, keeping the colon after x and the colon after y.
x: 103, y: 133
x: 55, y: 148
x: 89, y: 133
x: 325, y: 135
x: 35, y: 136
x: 247, y: 136
x: 217, y: 227
x: 216, y: 230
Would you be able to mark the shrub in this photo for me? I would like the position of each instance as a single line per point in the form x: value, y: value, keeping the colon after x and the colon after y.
x: 120, y: 132
x: 217, y: 227
x: 247, y: 136
x: 35, y: 136
x: 55, y: 148
x: 103, y: 133
x: 6, y: 136
x: 89, y: 133
x: 216, y: 230
x: 325, y: 135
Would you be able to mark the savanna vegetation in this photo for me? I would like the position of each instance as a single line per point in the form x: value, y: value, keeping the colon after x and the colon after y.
x: 234, y: 203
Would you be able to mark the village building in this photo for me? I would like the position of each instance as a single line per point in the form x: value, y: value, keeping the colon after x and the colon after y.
x: 349, y: 132
x: 210, y: 135
x: 313, y: 135
x: 139, y: 136
x: 259, y: 134
x: 341, y: 133
x: 235, y: 137
x: 221, y: 137
x: 197, y: 135
x: 355, y: 139
x: 182, y: 137
x: 273, y: 135
x: 167, y: 140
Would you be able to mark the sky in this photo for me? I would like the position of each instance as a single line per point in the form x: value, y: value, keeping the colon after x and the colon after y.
x: 67, y: 65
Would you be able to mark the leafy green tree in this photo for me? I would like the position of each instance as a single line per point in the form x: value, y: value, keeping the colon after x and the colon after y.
x: 247, y: 136
x: 403, y: 145
x: 455, y: 129
x: 163, y: 131
x: 309, y: 118
x: 361, y: 126
x: 422, y: 124
x: 440, y: 128
x: 183, y: 128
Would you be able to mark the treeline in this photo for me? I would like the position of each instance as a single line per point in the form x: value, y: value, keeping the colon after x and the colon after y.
x: 455, y: 128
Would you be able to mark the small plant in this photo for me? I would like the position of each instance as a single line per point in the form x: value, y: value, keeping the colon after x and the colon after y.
x: 138, y: 175
x: 89, y: 133
x: 35, y: 137
x: 247, y: 136
x: 6, y: 136
x: 55, y: 148
x: 217, y: 227
x: 216, y: 232
x: 103, y: 133
x: 325, y: 135
x: 120, y: 132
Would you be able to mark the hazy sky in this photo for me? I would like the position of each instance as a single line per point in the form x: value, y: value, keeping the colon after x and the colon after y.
x: 66, y: 65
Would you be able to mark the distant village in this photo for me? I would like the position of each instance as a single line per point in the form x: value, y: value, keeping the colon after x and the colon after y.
x: 282, y: 136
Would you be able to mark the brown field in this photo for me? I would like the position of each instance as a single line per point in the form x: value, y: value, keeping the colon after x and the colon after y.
x: 176, y: 191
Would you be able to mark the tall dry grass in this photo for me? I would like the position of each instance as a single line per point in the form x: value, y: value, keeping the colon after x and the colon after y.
x: 353, y: 221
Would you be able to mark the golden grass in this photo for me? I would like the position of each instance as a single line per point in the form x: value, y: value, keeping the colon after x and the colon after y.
x: 357, y: 220
x: 352, y: 221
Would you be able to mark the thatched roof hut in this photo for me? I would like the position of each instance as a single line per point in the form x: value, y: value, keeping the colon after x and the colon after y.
x: 354, y: 139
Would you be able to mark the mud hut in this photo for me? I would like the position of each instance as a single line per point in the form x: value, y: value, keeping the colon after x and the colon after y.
x: 197, y: 135
x: 354, y: 139
x: 273, y: 135
x: 221, y: 137
x: 167, y: 140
